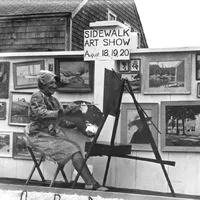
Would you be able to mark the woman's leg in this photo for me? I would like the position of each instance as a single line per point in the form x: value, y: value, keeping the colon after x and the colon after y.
x: 90, y: 182
x: 77, y: 160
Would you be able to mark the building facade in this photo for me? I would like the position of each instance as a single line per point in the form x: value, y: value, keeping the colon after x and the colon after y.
x: 59, y: 25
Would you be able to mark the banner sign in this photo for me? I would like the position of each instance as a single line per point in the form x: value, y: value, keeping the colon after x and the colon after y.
x: 107, y: 44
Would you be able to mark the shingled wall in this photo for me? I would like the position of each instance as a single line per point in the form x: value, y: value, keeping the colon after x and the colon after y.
x: 27, y: 34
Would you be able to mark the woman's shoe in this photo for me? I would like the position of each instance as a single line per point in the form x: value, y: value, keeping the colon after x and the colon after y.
x: 97, y: 187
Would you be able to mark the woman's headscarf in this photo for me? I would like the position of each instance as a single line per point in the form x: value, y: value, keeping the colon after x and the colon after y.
x: 45, y: 77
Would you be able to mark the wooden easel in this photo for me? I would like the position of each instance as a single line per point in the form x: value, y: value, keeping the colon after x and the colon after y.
x: 112, y: 149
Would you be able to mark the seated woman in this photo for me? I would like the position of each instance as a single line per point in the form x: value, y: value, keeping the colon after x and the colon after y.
x: 45, y: 134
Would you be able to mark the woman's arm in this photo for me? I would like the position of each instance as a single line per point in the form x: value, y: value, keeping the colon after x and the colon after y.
x: 38, y: 108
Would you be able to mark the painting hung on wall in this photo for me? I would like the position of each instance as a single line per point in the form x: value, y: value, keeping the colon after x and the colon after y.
x: 20, y: 150
x: 167, y: 74
x: 75, y: 75
x: 6, y: 144
x: 180, y: 126
x: 2, y: 110
x: 198, y: 90
x: 25, y: 74
x: 18, y: 108
x: 4, y: 79
x: 132, y: 129
x: 170, y: 73
x: 51, y: 67
x: 135, y: 65
x: 124, y: 66
x: 134, y: 80
x: 198, y: 67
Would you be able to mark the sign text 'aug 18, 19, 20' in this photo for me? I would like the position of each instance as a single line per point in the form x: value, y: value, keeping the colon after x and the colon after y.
x: 106, y: 44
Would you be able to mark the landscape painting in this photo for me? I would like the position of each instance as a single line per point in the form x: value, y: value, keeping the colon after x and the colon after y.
x: 20, y: 150
x: 2, y: 110
x: 75, y: 75
x: 4, y: 79
x: 25, y: 74
x: 134, y: 80
x: 198, y: 67
x: 167, y: 74
x: 6, y: 144
x: 18, y: 109
x: 180, y: 126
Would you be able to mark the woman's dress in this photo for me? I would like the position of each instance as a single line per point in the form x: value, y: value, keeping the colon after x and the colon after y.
x: 45, y: 133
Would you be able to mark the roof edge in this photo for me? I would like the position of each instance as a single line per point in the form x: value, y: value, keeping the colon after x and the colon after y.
x: 140, y: 23
x: 35, y: 15
x: 79, y: 8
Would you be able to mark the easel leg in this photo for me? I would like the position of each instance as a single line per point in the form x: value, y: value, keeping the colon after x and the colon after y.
x: 114, y: 129
x: 106, y: 171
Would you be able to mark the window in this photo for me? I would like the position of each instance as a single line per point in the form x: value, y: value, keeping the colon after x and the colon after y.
x: 111, y: 16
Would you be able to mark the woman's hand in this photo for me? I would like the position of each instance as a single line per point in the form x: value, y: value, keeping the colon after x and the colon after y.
x: 91, y: 129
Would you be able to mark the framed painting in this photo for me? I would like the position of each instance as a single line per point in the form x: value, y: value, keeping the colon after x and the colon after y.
x: 135, y: 65
x: 135, y: 81
x: 18, y: 108
x: 132, y: 131
x: 76, y: 75
x: 51, y: 67
x: 20, y: 150
x: 167, y: 73
x: 6, y: 145
x: 25, y: 73
x: 4, y: 79
x: 123, y: 66
x: 198, y: 67
x: 198, y: 90
x: 2, y: 110
x: 180, y: 126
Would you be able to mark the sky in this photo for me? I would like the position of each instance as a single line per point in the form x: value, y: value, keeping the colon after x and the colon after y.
x: 170, y: 23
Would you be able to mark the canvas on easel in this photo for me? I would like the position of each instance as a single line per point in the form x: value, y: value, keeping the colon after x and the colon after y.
x: 111, y: 92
